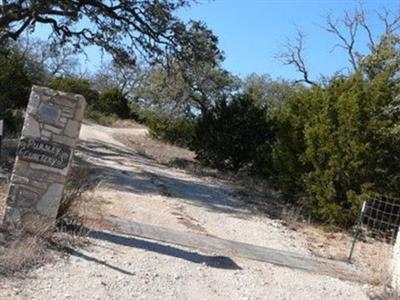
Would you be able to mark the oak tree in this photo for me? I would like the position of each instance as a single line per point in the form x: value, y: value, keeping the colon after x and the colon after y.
x: 125, y: 29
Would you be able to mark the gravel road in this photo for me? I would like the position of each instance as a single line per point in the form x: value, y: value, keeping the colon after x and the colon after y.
x: 118, y: 267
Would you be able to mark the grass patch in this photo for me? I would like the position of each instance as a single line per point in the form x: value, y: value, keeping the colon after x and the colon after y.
x: 100, y: 117
x: 80, y: 204
x: 23, y: 250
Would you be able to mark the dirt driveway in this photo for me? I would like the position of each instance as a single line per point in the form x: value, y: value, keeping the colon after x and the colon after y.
x: 136, y: 188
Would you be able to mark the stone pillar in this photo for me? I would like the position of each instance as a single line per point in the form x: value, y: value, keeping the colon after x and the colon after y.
x: 48, y: 139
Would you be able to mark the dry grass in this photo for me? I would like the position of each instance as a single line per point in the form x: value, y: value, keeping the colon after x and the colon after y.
x: 95, y: 116
x: 22, y: 250
x: 370, y: 256
x: 3, y: 194
x: 78, y: 183
x: 127, y: 124
x: 81, y: 204
x: 161, y: 152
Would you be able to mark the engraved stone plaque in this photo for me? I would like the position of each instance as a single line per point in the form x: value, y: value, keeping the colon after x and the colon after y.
x: 43, y: 152
x: 49, y: 113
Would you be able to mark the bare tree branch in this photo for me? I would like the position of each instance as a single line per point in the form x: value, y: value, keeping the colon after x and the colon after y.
x: 294, y: 55
x: 347, y: 28
x: 392, y: 24
x: 367, y: 28
x: 351, y: 23
x: 57, y: 61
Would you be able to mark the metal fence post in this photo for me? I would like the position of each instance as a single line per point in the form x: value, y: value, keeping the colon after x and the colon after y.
x: 358, y: 229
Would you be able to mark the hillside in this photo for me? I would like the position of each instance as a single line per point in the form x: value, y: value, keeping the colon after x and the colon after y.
x: 132, y: 187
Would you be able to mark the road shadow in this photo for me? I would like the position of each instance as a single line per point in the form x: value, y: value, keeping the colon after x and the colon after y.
x: 84, y: 256
x: 101, y: 159
x: 219, y: 262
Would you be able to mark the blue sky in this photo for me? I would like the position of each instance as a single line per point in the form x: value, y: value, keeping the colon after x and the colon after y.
x: 252, y: 32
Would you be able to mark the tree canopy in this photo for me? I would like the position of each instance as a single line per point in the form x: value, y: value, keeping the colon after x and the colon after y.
x: 125, y: 29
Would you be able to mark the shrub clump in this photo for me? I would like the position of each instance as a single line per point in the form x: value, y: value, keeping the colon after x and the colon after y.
x: 15, y: 85
x: 175, y: 130
x: 100, y: 117
x: 113, y: 101
x: 335, y: 143
x: 76, y: 86
x: 229, y: 135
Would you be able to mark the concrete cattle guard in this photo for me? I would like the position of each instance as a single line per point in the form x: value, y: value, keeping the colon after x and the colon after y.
x: 51, y: 129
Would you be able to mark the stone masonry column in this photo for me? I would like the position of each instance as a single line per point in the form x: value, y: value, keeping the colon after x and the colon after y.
x: 48, y: 139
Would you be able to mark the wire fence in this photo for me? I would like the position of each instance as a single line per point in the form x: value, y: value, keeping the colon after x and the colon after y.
x: 379, y: 218
x: 382, y: 217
